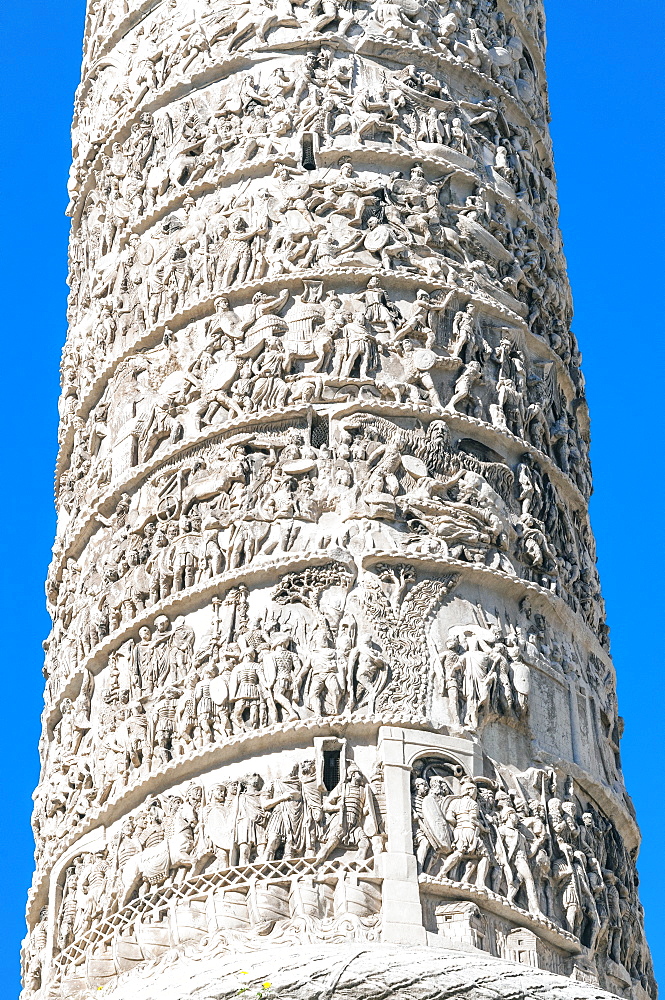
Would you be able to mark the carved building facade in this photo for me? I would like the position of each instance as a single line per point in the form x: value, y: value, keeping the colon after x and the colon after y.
x: 329, y: 661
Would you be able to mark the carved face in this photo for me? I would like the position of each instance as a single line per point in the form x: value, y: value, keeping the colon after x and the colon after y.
x: 219, y: 794
x: 127, y: 828
x: 554, y: 809
x: 194, y: 795
x: 470, y: 790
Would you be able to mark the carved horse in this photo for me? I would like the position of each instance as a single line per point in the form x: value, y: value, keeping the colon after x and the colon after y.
x: 173, y: 172
x: 153, y: 867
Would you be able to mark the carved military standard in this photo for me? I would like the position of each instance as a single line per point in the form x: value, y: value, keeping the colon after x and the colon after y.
x: 328, y: 679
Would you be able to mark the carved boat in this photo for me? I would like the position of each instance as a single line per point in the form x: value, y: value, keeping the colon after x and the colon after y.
x: 100, y: 967
x: 362, y: 899
x: 310, y: 898
x: 154, y: 938
x: 189, y: 921
x: 73, y: 983
x: 268, y: 903
x: 128, y: 951
x: 228, y: 911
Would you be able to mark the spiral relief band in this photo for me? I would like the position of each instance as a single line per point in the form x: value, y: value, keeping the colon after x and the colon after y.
x: 329, y: 660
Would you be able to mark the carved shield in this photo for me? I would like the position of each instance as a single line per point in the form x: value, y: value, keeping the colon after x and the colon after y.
x: 484, y: 239
x: 145, y: 254
x: 377, y: 239
x: 299, y: 467
x: 414, y: 466
x: 424, y: 359
x: 220, y: 376
x: 174, y: 383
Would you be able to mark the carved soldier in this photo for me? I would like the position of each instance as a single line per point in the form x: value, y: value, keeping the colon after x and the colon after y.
x: 436, y: 837
x: 181, y: 650
x: 34, y: 956
x: 465, y: 817
x: 313, y: 815
x: 465, y: 333
x: 219, y: 824
x: 159, y: 670
x: 252, y: 819
x: 68, y: 908
x: 355, y: 345
x: 207, y: 728
x: 165, y: 724
x: 453, y: 677
x: 284, y: 831
x: 92, y: 888
x: 369, y: 671
x: 186, y: 720
x: 349, y: 806
x: 421, y: 324
x: 136, y: 730
x: 246, y: 692
x: 324, y: 687
x: 517, y: 854
x: 280, y: 667
x: 125, y: 847
x: 464, y: 392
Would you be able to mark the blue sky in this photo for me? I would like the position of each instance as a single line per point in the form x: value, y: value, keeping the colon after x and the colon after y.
x: 606, y: 66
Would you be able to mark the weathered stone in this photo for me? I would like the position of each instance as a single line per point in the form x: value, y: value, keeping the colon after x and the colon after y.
x: 328, y: 684
x: 346, y: 970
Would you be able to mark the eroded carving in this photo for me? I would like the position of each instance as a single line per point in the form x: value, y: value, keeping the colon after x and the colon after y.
x: 323, y: 475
